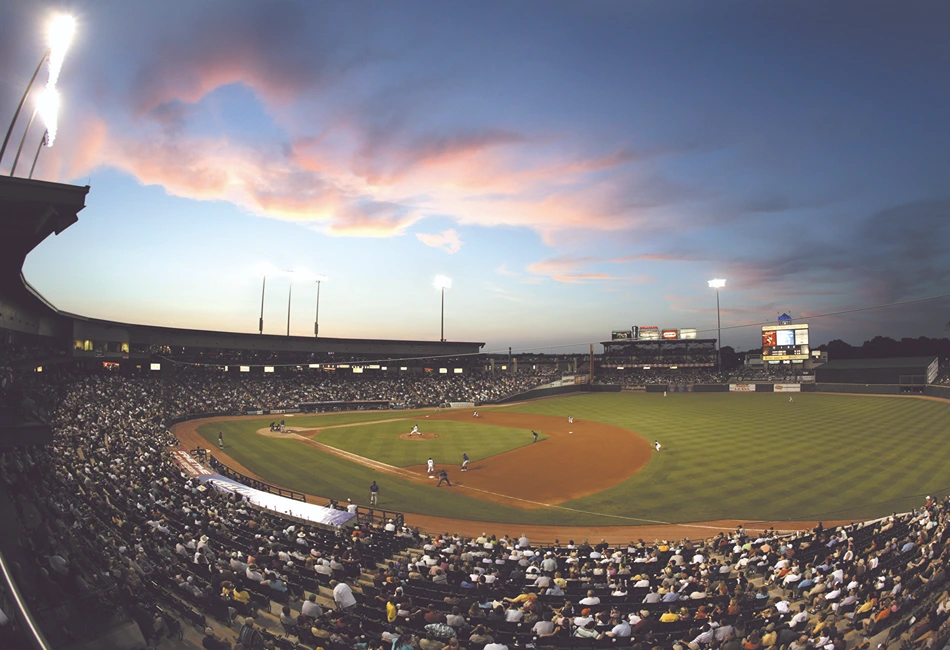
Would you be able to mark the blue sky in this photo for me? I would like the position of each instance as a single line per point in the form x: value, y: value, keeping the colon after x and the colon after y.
x: 574, y: 167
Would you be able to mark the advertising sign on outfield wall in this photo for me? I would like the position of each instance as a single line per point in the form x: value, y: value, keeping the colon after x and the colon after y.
x: 633, y: 389
x: 787, y: 388
x: 741, y: 388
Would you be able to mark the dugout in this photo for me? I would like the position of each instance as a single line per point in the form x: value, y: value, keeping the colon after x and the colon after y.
x: 906, y: 371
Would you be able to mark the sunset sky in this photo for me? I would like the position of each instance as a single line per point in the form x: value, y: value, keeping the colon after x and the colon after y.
x: 574, y: 167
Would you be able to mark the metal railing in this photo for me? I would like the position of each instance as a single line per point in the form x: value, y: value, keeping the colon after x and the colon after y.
x: 22, y: 613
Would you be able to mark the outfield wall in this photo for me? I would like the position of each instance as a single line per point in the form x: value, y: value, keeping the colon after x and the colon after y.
x: 860, y: 389
x: 937, y: 391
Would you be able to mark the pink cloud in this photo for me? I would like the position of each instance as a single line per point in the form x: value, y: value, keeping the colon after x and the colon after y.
x: 447, y: 240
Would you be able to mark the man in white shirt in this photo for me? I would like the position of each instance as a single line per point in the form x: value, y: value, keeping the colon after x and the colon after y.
x: 343, y: 595
x: 620, y: 630
x: 253, y: 574
x: 590, y: 600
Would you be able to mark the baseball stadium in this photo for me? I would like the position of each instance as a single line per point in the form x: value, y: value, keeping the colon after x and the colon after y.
x: 173, y: 487
x: 563, y: 451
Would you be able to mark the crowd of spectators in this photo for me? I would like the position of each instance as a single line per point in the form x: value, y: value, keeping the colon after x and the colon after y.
x: 657, y: 377
x: 827, y: 589
x: 110, y: 525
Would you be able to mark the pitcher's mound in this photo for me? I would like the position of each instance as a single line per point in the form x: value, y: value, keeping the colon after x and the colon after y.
x: 418, y: 436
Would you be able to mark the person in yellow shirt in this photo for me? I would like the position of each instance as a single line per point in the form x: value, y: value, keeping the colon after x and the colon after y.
x: 670, y: 616
x: 241, y: 595
x: 390, y: 611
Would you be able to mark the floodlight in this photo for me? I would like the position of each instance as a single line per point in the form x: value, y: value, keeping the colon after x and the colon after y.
x: 717, y: 283
x: 443, y: 282
x: 59, y: 34
x: 47, y: 105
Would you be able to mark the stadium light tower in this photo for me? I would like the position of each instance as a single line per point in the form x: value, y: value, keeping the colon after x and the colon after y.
x: 59, y: 34
x: 717, y: 284
x: 316, y: 315
x: 442, y: 283
x: 260, y: 325
x: 290, y: 293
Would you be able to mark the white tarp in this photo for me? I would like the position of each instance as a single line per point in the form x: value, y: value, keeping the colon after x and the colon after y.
x: 283, y: 505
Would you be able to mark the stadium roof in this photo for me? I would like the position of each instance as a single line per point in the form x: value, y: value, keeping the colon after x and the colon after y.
x: 870, y: 364
x: 29, y: 212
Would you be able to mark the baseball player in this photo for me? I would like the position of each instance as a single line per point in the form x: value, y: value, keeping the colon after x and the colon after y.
x: 373, y: 494
x: 790, y: 399
x: 221, y: 436
x: 464, y: 462
x: 444, y: 476
x: 415, y: 430
x: 474, y: 414
x: 570, y: 419
x: 535, y: 434
x: 657, y: 445
x: 430, y: 464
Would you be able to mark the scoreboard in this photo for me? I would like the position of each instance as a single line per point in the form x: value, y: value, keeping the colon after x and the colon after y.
x: 785, y: 342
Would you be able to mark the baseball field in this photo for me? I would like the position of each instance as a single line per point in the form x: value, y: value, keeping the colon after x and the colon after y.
x: 750, y: 457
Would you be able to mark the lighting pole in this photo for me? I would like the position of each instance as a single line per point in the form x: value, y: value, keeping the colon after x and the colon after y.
x: 37, y: 156
x: 316, y: 315
x: 442, y: 283
x: 260, y: 325
x: 717, y: 284
x: 19, y: 149
x: 290, y: 292
x: 59, y: 34
x: 26, y: 93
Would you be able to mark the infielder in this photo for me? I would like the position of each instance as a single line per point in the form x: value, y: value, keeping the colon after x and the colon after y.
x: 656, y: 445
x: 474, y: 414
x: 570, y: 419
x: 431, y: 467
x: 464, y: 462
x: 535, y: 434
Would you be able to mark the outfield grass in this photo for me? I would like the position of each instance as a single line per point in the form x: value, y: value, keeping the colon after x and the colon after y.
x: 724, y: 456
x: 381, y: 441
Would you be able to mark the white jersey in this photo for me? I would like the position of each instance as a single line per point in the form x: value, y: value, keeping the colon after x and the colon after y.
x: 415, y: 429
x: 431, y: 464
